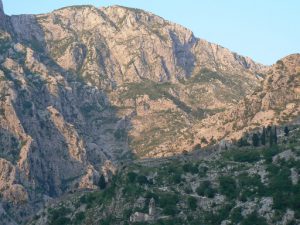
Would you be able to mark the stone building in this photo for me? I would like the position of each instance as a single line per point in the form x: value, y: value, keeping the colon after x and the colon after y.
x: 145, y: 217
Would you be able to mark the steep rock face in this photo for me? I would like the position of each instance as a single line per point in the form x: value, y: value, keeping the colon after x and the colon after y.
x: 89, y: 41
x: 135, y: 55
x: 277, y: 103
x: 56, y: 132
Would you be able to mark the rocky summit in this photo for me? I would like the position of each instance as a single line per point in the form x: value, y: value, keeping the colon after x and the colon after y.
x: 86, y: 92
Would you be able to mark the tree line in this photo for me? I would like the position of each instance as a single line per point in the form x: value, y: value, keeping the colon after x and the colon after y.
x: 267, y: 137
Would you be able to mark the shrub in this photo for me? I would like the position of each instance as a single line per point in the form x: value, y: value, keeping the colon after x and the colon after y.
x: 168, y: 199
x: 246, y: 156
x: 170, y: 210
x: 176, y: 178
x: 102, y: 182
x: 131, y: 176
x: 254, y: 219
x: 192, y: 203
x: 269, y: 153
x: 27, y: 105
x: 228, y: 186
x: 190, y: 168
x: 80, y: 216
x: 60, y: 221
x: 255, y: 140
x: 250, y: 185
x: 142, y: 179
x: 236, y: 215
x: 243, y: 142
x: 120, y: 134
x: 205, y: 189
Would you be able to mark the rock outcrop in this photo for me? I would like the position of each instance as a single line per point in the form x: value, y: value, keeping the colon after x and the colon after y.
x: 278, y: 102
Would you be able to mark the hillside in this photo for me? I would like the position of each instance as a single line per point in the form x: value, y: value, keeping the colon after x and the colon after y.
x: 86, y: 90
x: 248, y: 185
x: 276, y: 103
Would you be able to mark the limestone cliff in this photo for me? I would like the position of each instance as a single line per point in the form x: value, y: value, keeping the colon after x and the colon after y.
x: 278, y: 102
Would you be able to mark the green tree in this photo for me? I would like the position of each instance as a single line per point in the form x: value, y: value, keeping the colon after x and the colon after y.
x: 205, y: 189
x: 102, y: 182
x: 132, y: 177
x: 286, y: 131
x: 192, y: 202
x: 228, y: 186
x: 275, y: 136
x: 263, y: 137
x: 142, y: 179
x: 271, y: 136
x: 243, y: 142
x: 254, y: 219
x: 255, y: 140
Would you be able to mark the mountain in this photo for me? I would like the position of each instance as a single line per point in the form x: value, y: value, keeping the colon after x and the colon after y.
x: 276, y: 103
x: 85, y: 90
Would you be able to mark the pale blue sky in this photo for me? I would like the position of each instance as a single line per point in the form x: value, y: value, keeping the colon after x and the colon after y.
x: 264, y: 30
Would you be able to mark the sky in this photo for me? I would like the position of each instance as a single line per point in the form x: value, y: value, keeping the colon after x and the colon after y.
x: 265, y: 30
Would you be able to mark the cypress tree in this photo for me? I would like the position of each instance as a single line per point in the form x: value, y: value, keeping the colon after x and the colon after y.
x: 255, y: 140
x: 286, y: 131
x: 275, y: 136
x: 263, y: 136
x: 102, y: 182
x: 271, y: 136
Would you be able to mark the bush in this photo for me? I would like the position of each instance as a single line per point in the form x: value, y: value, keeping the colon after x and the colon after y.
x: 170, y: 210
x: 176, y: 178
x: 80, y: 216
x: 58, y: 216
x: 269, y: 153
x: 243, y: 142
x: 246, y: 156
x: 202, y: 171
x: 254, y: 219
x: 228, y: 186
x: 280, y: 179
x: 60, y: 221
x: 27, y: 105
x: 131, y: 176
x: 120, y: 134
x: 190, y: 168
x: 142, y: 180
x: 102, y: 182
x: 250, y: 186
x: 236, y: 215
x: 168, y: 199
x: 192, y: 203
x: 205, y: 189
